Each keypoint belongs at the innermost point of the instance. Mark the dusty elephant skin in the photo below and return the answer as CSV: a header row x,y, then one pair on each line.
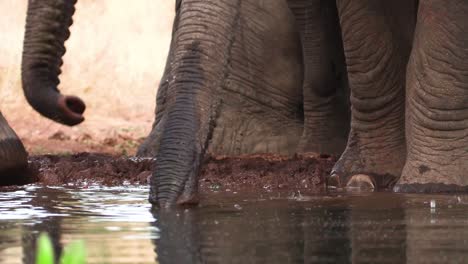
x,y
377,37
421,105
216,67
437,100
242,77
407,119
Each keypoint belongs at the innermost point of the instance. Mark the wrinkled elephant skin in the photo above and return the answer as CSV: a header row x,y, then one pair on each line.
x,y
245,77
409,90
381,83
47,24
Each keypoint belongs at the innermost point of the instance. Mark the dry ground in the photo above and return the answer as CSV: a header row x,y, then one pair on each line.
x,y
115,58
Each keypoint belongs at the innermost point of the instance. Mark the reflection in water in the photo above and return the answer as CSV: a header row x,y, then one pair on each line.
x,y
112,221
50,204
371,229
118,227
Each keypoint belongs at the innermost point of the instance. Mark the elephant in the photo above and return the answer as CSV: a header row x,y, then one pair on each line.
x,y
246,77
250,76
241,94
409,115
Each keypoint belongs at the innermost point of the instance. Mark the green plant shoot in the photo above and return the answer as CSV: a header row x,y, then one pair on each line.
x,y
74,253
45,251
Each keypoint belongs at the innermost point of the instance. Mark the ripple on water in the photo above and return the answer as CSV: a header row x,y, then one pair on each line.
x,y
117,226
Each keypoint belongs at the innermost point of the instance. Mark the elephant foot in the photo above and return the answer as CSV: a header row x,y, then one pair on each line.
x,y
361,182
13,156
356,183
427,177
362,168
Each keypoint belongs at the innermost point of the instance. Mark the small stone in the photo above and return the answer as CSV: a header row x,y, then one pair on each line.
x,y
84,137
109,142
60,135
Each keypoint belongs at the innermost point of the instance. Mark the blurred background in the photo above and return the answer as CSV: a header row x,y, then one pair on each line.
x,y
114,60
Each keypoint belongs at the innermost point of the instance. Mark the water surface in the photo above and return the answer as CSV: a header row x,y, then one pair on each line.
x,y
118,226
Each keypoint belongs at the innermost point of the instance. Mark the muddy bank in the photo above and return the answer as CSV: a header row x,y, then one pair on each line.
x,y
244,173
266,173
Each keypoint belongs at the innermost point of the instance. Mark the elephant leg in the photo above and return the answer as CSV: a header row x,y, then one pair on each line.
x,y
13,156
377,42
437,100
326,111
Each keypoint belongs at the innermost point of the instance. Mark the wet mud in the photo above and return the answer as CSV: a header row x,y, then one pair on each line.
x,y
244,173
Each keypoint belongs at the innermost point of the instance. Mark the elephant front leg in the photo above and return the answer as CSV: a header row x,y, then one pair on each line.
x,y
377,42
437,101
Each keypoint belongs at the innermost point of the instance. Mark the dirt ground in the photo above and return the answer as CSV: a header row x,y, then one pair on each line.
x,y
259,173
114,61
120,139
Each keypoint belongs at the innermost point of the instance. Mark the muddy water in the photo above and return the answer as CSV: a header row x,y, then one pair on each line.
x,y
118,226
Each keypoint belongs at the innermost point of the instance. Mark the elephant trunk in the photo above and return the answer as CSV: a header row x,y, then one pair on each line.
x,y
203,39
186,130
47,28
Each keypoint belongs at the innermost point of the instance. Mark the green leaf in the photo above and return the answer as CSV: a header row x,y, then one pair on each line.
x,y
45,251
74,253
